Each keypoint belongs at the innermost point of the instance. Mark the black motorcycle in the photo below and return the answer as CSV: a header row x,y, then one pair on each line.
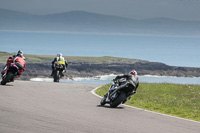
x,y
57,72
123,90
10,75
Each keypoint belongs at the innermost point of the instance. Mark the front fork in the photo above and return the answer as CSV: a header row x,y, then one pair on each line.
x,y
111,95
3,75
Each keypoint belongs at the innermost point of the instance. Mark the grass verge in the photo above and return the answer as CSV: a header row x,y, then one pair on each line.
x,y
48,58
172,99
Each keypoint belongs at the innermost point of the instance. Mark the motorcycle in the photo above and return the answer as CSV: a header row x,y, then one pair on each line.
x,y
57,72
122,92
10,75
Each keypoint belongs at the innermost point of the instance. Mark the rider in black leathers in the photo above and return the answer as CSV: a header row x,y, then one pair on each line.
x,y
119,81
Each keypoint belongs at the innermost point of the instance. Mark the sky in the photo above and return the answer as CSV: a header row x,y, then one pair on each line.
x,y
135,9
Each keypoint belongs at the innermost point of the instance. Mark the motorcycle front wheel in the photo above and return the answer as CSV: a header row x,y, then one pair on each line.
x,y
103,101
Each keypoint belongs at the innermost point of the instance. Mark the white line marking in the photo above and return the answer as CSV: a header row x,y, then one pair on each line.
x,y
93,92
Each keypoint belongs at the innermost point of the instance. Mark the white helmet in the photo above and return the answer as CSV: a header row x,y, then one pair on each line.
x,y
60,54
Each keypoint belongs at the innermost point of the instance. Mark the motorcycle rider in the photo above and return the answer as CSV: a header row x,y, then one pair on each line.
x,y
19,60
60,59
123,79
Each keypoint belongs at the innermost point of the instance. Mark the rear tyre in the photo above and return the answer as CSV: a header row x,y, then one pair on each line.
x,y
118,100
8,77
56,76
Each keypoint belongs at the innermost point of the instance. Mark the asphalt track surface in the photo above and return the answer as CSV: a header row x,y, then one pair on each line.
x,y
43,107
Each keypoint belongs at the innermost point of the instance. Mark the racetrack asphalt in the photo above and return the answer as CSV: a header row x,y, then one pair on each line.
x,y
46,107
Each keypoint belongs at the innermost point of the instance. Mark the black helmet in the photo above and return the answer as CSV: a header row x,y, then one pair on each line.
x,y
20,53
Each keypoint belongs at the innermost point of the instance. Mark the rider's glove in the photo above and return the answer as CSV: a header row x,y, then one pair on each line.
x,y
18,75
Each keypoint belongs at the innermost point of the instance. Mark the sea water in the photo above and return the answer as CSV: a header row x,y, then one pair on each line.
x,y
106,79
171,50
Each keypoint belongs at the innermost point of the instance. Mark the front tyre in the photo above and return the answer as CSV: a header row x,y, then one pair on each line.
x,y
103,101
8,77
118,100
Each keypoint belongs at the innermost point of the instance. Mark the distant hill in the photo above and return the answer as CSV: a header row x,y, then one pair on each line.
x,y
81,21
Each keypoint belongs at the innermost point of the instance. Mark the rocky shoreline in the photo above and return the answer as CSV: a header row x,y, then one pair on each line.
x,y
39,66
90,69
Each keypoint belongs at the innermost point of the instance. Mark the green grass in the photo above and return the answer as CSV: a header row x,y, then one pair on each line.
x,y
4,56
29,58
48,58
172,99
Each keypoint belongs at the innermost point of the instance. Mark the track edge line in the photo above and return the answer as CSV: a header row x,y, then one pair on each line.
x,y
93,92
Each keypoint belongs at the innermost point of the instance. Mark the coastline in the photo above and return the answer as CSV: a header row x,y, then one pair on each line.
x,y
39,66
80,69
97,33
106,79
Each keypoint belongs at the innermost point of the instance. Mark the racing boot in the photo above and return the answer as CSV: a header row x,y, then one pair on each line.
x,y
129,96
131,93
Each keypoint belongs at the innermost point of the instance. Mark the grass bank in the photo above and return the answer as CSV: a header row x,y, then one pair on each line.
x,y
48,58
172,99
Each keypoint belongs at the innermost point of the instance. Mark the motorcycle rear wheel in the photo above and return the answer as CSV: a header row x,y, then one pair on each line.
x,y
8,77
56,76
118,100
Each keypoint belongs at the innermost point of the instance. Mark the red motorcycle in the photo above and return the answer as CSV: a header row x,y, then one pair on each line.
x,y
10,75
14,68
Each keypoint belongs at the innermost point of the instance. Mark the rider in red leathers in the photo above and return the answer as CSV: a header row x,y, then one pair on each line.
x,y
19,61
